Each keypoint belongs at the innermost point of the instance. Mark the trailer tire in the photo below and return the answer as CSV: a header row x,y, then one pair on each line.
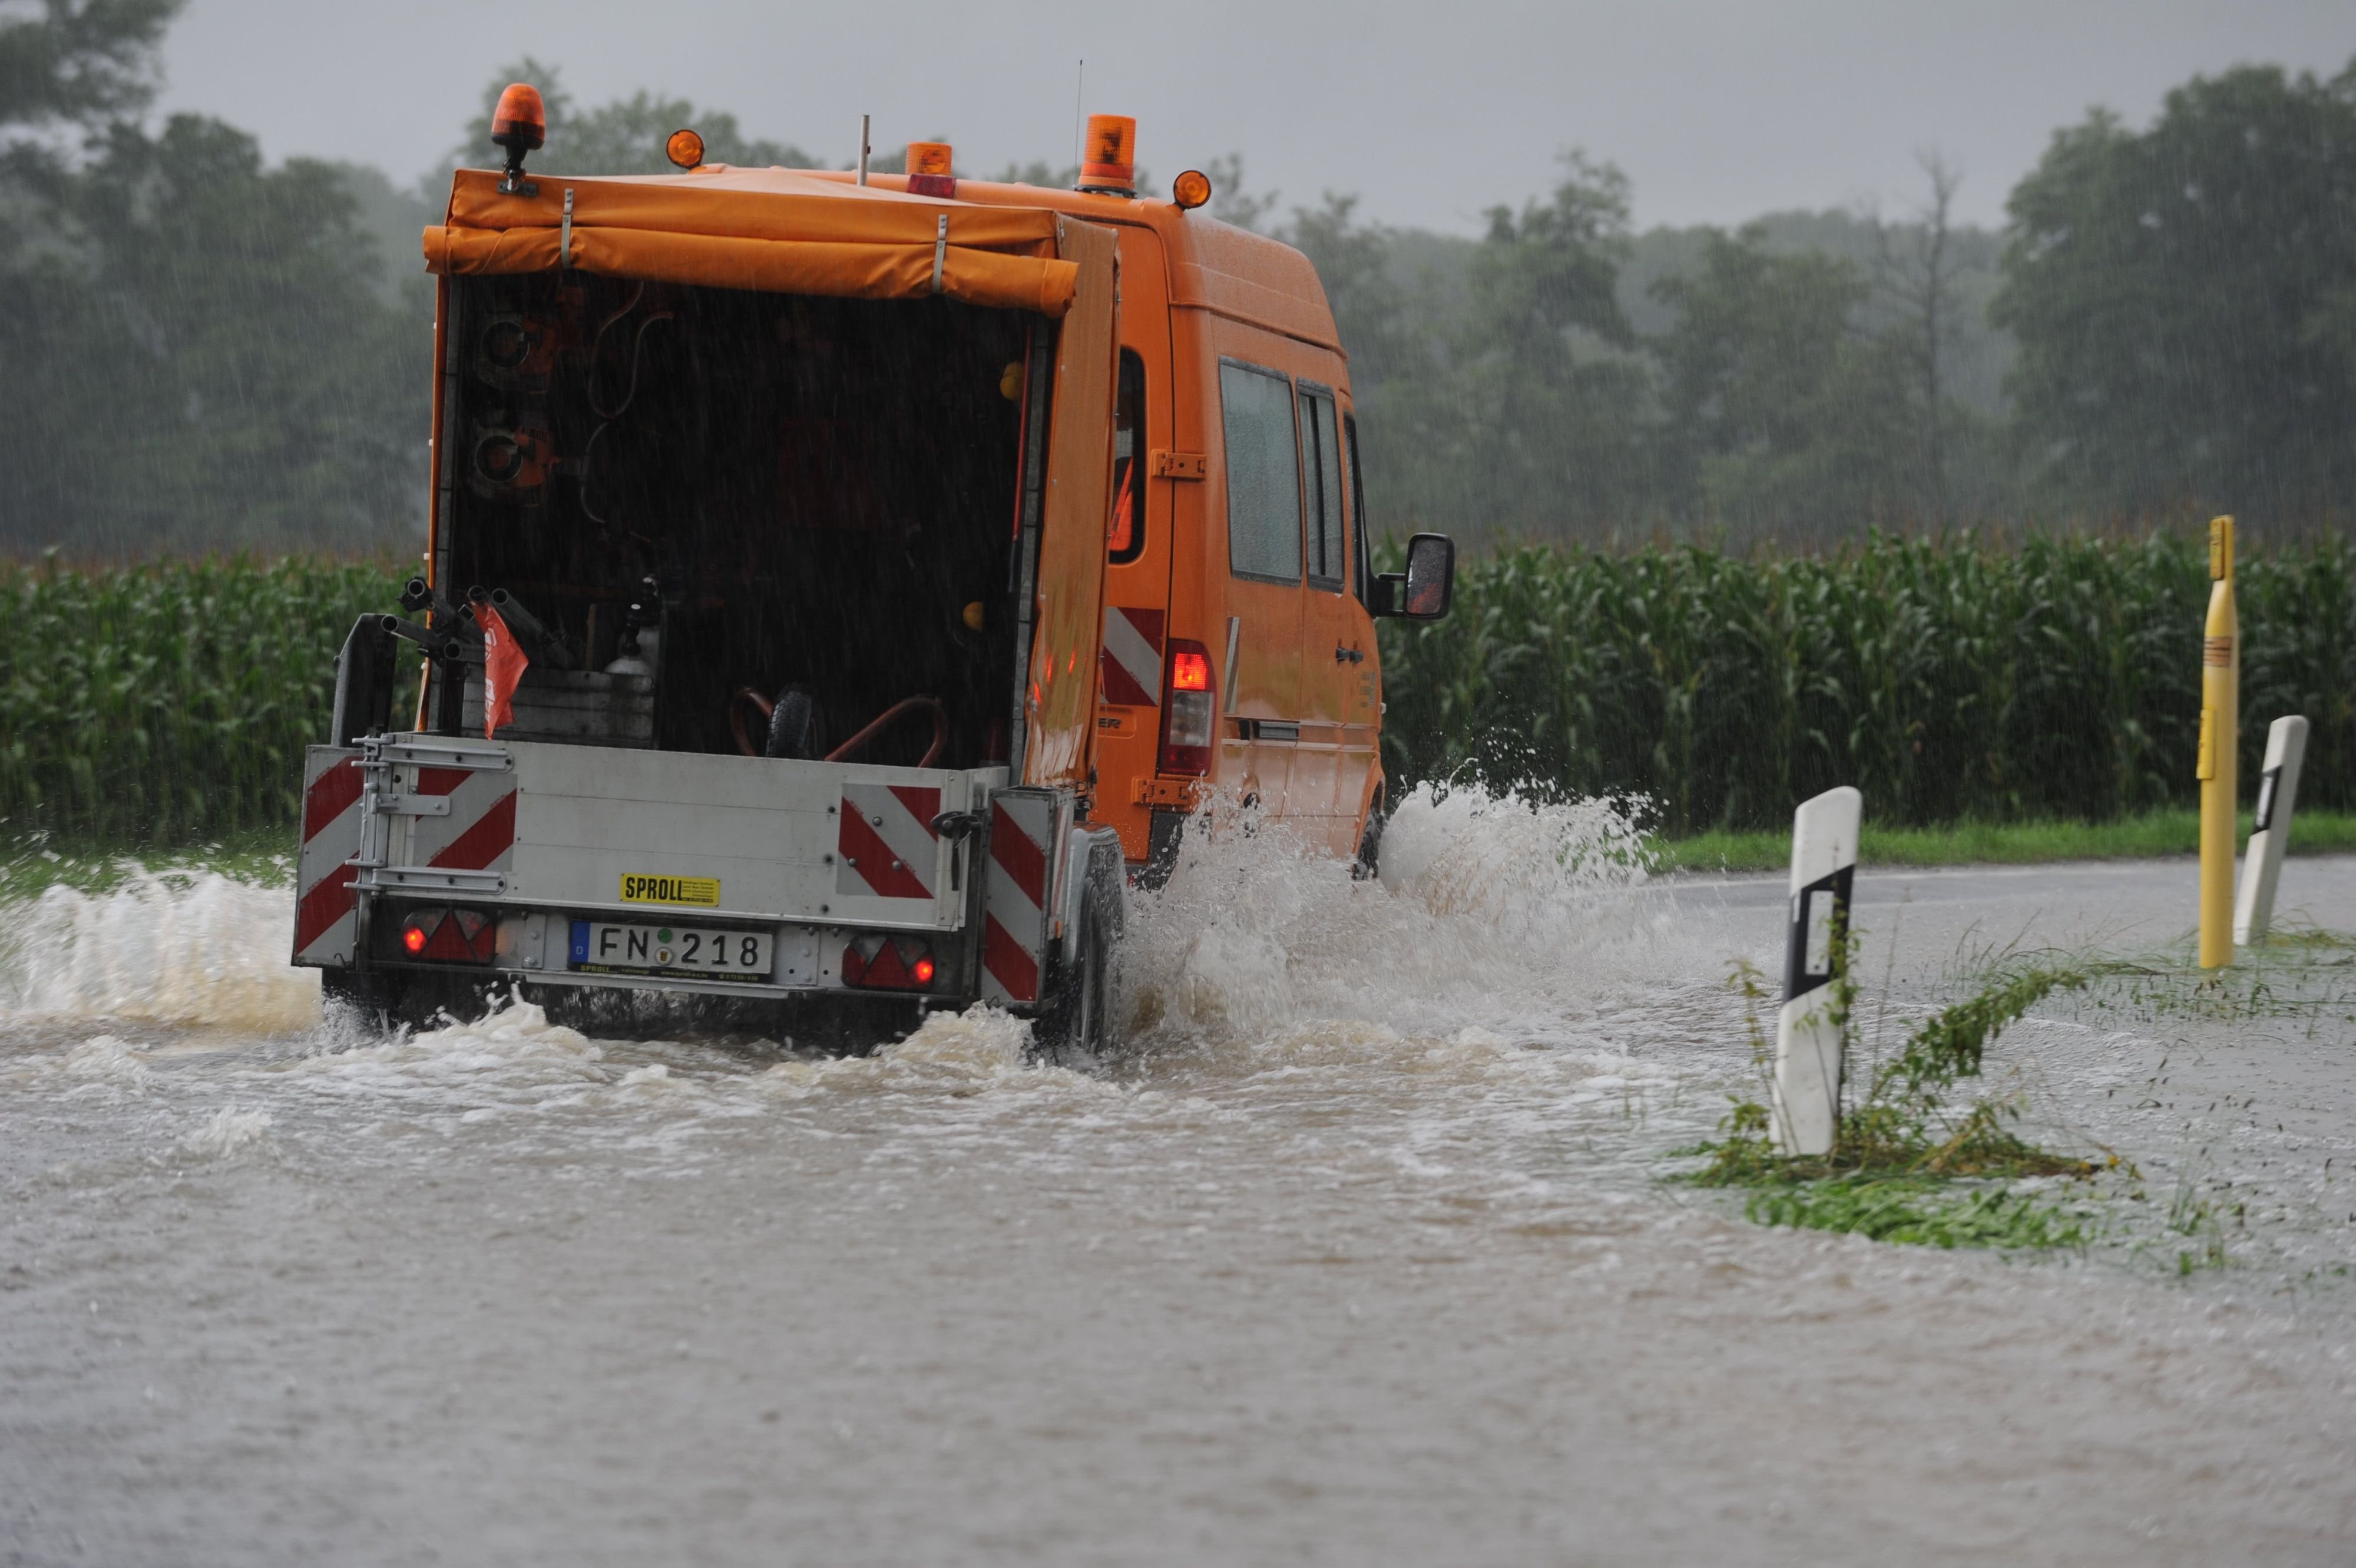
x,y
378,998
1077,1022
395,999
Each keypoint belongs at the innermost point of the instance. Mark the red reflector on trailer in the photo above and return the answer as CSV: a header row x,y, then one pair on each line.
x,y
459,935
888,964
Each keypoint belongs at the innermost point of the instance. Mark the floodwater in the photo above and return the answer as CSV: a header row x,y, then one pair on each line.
x,y
1359,1251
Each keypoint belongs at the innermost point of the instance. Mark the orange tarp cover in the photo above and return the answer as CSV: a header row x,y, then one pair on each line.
x,y
758,228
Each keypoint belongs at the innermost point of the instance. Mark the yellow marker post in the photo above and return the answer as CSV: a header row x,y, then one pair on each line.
x,y
2221,729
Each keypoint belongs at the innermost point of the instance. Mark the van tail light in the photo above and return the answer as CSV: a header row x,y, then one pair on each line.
x,y
888,964
1189,708
450,935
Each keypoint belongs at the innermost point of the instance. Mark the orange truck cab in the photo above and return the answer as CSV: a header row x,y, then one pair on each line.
x,y
839,587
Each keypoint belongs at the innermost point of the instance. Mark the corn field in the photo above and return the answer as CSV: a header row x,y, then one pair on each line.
x,y
170,702
1947,679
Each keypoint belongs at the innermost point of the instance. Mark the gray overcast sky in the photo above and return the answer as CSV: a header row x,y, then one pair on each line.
x,y
1718,109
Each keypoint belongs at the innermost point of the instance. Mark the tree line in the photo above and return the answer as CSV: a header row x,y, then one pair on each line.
x,y
207,350
2165,327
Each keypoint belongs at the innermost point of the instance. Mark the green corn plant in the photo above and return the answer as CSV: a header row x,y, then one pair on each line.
x,y
168,702
1950,678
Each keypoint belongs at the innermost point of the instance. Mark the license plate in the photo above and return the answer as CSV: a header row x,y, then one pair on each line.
x,y
600,945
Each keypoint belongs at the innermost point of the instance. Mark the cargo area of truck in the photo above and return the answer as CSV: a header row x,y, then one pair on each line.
x,y
784,492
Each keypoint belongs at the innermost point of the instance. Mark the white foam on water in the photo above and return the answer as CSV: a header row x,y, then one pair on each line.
x,y
185,948
228,1131
104,1058
514,1058
955,1055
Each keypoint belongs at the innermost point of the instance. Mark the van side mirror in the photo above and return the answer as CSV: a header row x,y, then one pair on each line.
x,y
1425,590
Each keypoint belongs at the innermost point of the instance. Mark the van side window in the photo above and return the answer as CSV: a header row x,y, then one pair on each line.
x,y
1321,473
1362,575
1263,473
1125,537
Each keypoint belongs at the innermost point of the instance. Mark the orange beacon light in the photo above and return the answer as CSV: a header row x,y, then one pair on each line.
x,y
1108,165
520,124
932,169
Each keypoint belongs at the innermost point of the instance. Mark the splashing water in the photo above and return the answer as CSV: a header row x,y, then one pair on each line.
x,y
1503,858
1488,902
185,948
1489,906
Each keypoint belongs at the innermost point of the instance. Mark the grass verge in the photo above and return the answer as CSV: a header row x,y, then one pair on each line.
x,y
1915,1211
1908,1165
2004,843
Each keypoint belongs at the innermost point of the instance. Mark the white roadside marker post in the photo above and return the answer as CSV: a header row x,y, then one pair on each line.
x,y
2253,911
1807,1035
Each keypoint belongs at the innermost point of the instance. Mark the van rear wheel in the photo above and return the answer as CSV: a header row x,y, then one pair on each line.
x,y
1367,864
1077,1022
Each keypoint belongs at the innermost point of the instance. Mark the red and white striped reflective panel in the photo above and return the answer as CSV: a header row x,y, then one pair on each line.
x,y
477,835
331,835
886,846
1015,897
479,832
1131,667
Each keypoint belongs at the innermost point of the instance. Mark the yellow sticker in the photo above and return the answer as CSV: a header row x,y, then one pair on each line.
x,y
703,892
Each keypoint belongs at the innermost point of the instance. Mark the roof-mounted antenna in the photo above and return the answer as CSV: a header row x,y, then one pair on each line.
x,y
863,149
1078,86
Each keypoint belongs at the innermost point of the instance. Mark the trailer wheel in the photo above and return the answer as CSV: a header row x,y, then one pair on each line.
x,y
379,998
1077,1022
389,1000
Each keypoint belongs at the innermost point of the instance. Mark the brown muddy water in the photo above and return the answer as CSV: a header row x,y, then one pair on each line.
x,y
1361,1250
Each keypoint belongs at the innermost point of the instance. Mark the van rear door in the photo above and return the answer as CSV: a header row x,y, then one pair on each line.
x,y
1338,716
1260,665
1059,679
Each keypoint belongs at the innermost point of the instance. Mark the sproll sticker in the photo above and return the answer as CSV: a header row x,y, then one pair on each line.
x,y
703,892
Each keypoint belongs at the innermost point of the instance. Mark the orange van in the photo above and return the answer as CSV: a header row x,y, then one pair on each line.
x,y
839,587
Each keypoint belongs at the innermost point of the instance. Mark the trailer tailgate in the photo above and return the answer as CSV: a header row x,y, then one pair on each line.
x,y
748,837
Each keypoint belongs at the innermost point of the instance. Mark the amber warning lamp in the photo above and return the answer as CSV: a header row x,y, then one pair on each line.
x,y
519,125
1191,190
685,148
1109,163
932,169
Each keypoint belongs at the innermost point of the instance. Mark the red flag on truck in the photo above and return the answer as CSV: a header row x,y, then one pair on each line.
x,y
504,662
